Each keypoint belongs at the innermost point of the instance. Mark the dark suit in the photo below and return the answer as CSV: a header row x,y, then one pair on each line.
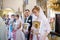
x,y
29,20
57,24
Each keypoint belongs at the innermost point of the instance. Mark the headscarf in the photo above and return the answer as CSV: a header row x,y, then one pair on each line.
x,y
45,20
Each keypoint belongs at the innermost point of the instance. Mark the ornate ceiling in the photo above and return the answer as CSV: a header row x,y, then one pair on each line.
x,y
54,4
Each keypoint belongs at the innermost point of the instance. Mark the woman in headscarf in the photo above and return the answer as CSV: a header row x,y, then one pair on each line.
x,y
18,34
44,29
3,30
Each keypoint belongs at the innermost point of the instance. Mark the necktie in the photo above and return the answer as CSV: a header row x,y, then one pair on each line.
x,y
25,20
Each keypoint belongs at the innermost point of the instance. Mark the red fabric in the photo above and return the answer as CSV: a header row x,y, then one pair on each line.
x,y
14,35
31,36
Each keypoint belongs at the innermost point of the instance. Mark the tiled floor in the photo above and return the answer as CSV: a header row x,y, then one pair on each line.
x,y
58,38
54,38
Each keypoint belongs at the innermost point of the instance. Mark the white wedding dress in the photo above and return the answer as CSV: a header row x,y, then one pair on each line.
x,y
19,33
44,26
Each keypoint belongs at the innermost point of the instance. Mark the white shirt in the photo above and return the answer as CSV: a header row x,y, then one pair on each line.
x,y
16,24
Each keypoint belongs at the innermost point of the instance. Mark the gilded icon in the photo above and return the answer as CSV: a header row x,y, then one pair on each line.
x,y
36,24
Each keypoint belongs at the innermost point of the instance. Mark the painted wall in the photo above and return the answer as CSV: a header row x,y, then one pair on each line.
x,y
0,4
15,4
31,4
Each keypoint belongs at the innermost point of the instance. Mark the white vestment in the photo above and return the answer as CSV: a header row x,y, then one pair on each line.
x,y
3,30
44,26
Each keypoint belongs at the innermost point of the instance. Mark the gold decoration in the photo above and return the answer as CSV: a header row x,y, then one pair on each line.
x,y
36,24
25,26
53,4
52,1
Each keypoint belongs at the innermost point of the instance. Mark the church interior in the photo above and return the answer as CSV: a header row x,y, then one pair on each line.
x,y
51,9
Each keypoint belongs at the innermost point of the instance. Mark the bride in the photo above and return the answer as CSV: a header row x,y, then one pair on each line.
x,y
18,34
44,29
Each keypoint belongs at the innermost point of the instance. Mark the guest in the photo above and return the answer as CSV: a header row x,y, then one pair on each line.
x,y
11,22
4,17
7,20
3,30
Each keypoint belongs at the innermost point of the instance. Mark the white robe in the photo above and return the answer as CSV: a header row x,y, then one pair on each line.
x,y
3,30
44,28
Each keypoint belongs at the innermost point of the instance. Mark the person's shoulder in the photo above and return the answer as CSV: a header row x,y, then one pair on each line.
x,y
30,16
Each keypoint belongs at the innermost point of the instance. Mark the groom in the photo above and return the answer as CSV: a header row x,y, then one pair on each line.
x,y
28,19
